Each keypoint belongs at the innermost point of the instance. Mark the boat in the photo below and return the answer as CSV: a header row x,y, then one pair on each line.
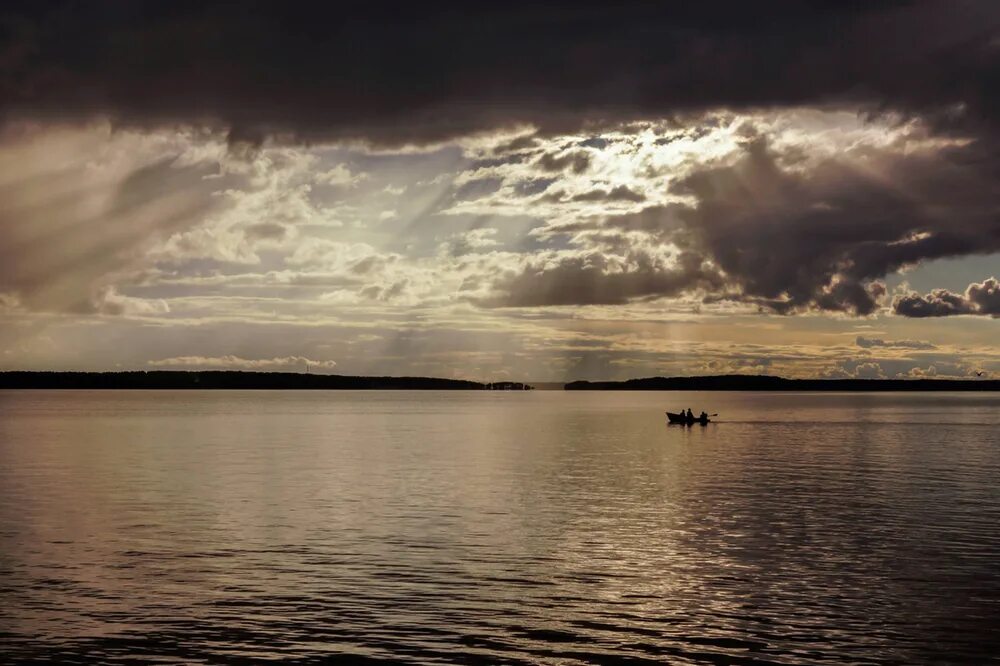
x,y
682,419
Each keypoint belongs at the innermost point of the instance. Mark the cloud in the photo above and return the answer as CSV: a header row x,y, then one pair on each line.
x,y
111,302
589,278
786,223
475,189
939,370
533,186
869,343
985,296
286,363
980,298
82,206
9,302
336,256
938,303
576,161
385,293
269,231
340,175
619,193
819,235
469,242
869,371
427,72
789,232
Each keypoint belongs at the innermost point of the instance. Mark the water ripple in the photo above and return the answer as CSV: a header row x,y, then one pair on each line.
x,y
363,528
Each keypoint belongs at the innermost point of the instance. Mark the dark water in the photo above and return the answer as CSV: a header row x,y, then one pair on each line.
x,y
537,527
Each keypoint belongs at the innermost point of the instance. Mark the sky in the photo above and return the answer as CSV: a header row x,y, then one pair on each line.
x,y
537,192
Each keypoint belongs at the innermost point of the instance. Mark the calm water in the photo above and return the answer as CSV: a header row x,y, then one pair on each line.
x,y
542,527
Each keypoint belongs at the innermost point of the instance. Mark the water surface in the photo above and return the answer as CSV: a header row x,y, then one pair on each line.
x,y
484,527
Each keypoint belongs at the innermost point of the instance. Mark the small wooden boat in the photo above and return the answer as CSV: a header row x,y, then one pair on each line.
x,y
682,419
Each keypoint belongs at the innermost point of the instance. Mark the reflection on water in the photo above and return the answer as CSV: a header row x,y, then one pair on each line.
x,y
499,527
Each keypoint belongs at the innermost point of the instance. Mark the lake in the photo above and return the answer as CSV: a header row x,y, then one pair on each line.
x,y
499,527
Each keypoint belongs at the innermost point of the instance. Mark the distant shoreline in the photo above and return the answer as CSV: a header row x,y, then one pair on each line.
x,y
232,379
240,380
767,383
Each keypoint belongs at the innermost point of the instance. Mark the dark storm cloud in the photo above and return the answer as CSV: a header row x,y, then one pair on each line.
x,y
980,298
576,161
596,279
754,231
516,144
792,239
426,71
820,238
938,303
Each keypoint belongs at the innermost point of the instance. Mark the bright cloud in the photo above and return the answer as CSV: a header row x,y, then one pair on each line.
x,y
287,363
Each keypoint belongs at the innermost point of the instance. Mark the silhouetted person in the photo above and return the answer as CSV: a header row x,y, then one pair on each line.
x,y
703,417
690,415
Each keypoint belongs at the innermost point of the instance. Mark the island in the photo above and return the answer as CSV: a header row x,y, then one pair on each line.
x,y
769,383
508,386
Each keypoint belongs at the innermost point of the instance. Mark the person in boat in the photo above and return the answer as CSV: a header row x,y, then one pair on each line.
x,y
703,417
689,415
